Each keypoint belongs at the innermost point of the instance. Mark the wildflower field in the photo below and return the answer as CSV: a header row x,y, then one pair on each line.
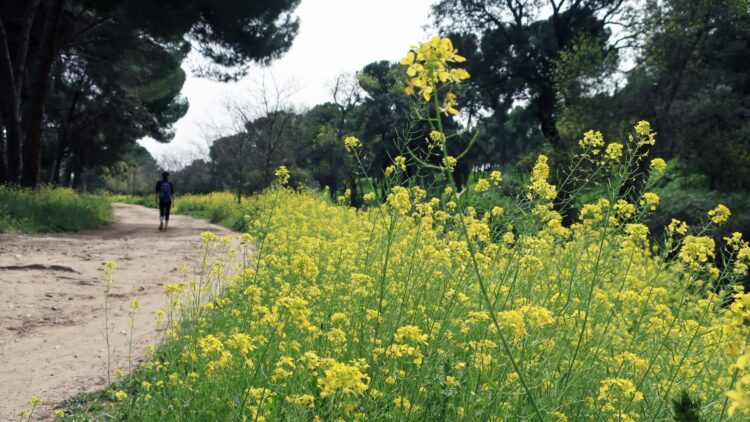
x,y
391,314
432,303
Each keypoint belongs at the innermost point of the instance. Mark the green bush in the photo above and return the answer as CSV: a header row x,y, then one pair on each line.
x,y
51,210
687,196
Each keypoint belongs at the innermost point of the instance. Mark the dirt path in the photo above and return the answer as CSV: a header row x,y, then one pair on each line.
x,y
52,302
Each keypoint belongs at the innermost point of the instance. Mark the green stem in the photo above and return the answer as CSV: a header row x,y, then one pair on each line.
x,y
480,280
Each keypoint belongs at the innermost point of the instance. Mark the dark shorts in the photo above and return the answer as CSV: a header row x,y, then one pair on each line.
x,y
164,209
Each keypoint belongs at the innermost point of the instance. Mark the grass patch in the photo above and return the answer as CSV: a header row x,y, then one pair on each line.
x,y
50,210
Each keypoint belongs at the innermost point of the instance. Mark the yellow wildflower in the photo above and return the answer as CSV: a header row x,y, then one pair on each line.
x,y
449,163
436,138
720,214
658,165
643,128
496,176
352,143
400,162
482,185
697,250
305,400
448,103
344,378
410,333
614,151
399,199
677,226
649,200
539,185
282,174
592,141
427,66
451,381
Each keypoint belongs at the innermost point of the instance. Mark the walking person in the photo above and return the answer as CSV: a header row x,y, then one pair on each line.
x,y
164,197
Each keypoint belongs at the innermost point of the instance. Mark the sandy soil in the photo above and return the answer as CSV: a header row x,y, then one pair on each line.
x,y
52,302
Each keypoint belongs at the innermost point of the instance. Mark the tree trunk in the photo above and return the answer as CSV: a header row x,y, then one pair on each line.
x,y
10,109
68,171
77,175
501,108
89,180
62,142
16,22
61,145
13,139
37,95
2,153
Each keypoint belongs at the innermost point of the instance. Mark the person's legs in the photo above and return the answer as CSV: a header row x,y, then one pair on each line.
x,y
167,206
162,211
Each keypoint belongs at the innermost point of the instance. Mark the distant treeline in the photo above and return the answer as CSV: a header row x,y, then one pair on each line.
x,y
541,75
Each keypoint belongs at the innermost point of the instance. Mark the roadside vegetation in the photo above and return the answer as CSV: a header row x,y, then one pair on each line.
x,y
421,309
49,209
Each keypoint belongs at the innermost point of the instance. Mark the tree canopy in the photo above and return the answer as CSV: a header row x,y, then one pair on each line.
x,y
42,41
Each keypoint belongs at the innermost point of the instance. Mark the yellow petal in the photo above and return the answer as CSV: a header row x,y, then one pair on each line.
x,y
409,59
446,44
459,74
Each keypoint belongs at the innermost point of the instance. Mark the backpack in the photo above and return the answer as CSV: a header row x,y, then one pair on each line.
x,y
165,192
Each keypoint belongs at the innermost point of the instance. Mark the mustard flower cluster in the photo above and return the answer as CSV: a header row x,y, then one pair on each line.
x,y
496,177
720,214
540,187
613,151
646,134
592,142
428,67
649,200
658,165
352,143
282,175
449,163
482,186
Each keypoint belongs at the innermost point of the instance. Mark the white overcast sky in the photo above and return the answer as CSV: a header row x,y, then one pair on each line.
x,y
334,36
